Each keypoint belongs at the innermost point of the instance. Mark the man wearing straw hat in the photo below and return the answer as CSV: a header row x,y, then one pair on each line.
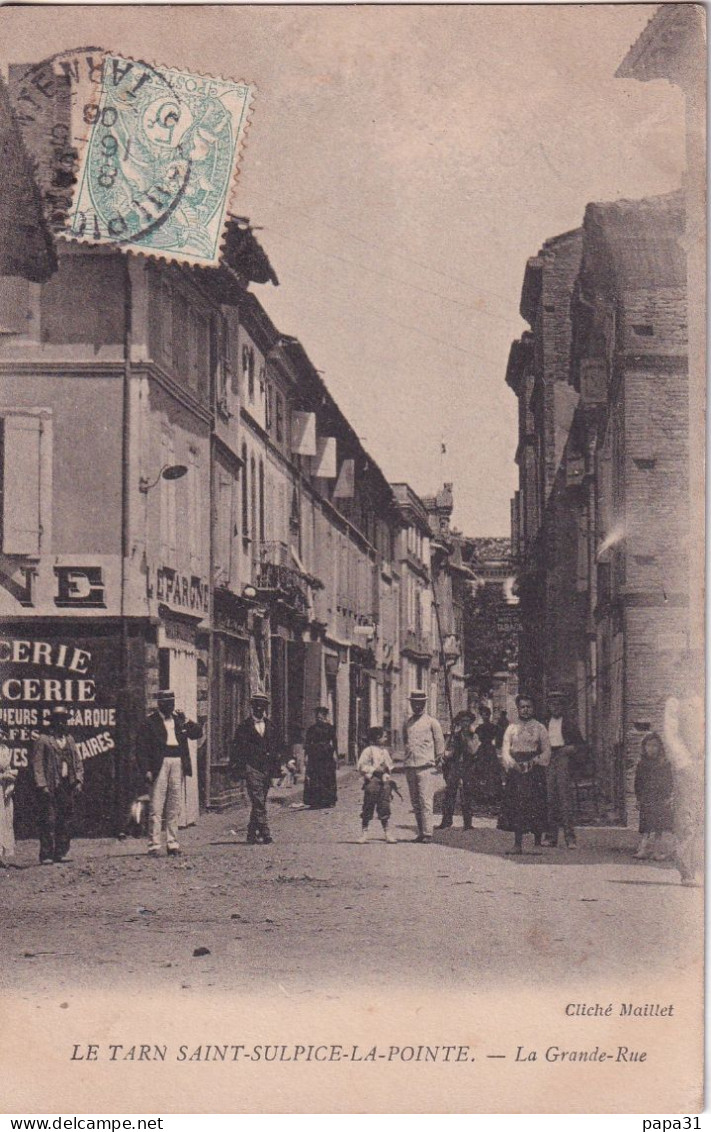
x,y
424,749
255,758
164,756
59,776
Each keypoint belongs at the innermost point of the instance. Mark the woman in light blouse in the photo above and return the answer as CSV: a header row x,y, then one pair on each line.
x,y
525,751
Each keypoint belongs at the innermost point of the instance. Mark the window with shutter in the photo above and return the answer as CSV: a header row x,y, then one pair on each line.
x,y
248,370
202,356
245,496
219,361
195,511
166,302
262,523
225,528
253,502
181,337
168,508
26,472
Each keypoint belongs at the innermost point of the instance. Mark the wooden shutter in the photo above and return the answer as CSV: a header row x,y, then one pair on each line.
x,y
195,511
21,529
168,510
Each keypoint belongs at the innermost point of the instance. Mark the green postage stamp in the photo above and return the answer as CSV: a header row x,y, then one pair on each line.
x,y
160,159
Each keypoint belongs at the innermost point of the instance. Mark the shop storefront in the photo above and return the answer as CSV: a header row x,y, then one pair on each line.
x,y
178,669
287,686
362,697
73,663
230,691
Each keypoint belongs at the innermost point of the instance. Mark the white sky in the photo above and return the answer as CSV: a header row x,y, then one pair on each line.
x,y
403,163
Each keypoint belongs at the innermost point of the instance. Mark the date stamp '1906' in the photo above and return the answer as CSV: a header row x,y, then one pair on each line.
x,y
158,166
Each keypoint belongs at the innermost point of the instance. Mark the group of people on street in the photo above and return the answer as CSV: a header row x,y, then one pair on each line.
x,y
471,764
526,768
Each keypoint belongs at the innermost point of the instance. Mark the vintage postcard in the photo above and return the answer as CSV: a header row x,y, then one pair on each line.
x,y
352,399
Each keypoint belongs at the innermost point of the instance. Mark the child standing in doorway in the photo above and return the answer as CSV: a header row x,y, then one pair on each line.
x,y
653,785
375,765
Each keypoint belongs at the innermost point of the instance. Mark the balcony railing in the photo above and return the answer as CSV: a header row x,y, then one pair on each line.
x,y
417,644
272,577
283,582
276,552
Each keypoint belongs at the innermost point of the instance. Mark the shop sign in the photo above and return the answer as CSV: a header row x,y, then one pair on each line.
x,y
80,586
38,673
75,586
228,616
188,593
179,631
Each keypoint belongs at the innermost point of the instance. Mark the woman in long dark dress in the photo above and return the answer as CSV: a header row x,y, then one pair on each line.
x,y
525,751
320,790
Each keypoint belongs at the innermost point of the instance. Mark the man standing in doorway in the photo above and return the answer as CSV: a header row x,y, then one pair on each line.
x,y
255,758
566,741
163,755
59,776
424,749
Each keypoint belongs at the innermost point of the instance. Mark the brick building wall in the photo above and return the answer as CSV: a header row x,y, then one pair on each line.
x,y
641,476
539,373
656,496
605,432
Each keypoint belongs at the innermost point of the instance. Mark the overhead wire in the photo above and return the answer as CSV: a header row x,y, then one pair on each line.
x,y
417,330
384,275
398,255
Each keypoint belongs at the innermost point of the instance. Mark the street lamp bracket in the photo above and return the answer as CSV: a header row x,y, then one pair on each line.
x,y
167,472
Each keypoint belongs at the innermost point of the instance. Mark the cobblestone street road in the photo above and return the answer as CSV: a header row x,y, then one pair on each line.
x,y
300,913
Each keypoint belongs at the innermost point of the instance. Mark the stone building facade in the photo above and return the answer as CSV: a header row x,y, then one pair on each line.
x,y
183,505
491,623
449,578
416,610
539,374
608,533
602,572
631,313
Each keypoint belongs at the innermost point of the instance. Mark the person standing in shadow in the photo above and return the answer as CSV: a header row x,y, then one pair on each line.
x,y
59,777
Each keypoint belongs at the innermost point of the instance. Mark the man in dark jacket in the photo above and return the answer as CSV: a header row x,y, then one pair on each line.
x,y
458,768
59,776
163,755
566,742
255,758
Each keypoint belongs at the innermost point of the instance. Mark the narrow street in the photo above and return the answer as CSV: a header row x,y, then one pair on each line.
x,y
297,914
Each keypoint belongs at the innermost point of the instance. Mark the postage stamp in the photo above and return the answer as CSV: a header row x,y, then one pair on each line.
x,y
158,167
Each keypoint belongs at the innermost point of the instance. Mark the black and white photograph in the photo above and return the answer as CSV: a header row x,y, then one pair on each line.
x,y
352,442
